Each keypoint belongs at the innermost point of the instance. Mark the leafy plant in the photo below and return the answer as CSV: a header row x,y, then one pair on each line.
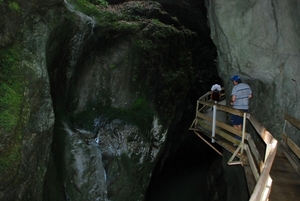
x,y
102,2
14,6
99,2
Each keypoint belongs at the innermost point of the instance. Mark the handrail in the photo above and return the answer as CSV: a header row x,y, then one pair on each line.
x,y
295,122
263,186
291,149
263,180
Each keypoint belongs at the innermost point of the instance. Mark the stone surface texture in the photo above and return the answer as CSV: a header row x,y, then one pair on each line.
x,y
105,93
259,40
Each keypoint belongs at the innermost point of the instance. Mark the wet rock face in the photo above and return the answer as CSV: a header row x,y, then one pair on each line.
x,y
130,64
85,177
14,13
113,85
259,41
191,14
28,130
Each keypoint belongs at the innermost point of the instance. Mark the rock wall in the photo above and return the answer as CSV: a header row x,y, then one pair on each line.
x,y
26,110
103,83
110,83
259,40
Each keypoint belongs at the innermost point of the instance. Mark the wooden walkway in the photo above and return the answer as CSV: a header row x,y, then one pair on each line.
x,y
285,179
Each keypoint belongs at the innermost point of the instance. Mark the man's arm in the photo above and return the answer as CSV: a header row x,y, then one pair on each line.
x,y
233,97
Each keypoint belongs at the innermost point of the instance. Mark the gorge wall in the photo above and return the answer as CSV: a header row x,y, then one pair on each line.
x,y
95,93
259,40
92,93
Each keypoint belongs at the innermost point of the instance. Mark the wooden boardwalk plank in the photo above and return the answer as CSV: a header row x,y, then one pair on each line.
x,y
286,181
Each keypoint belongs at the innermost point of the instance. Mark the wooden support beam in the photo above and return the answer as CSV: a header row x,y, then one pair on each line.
x,y
291,144
223,108
220,124
291,157
255,152
253,164
219,132
198,134
292,120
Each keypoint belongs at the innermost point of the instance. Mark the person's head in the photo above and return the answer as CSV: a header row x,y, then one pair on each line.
x,y
236,79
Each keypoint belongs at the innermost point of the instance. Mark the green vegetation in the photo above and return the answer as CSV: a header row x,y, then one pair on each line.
x,y
11,156
13,6
11,107
105,18
89,8
139,114
100,2
161,62
11,88
112,66
156,21
163,66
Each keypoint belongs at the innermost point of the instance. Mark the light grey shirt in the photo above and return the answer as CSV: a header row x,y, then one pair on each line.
x,y
241,92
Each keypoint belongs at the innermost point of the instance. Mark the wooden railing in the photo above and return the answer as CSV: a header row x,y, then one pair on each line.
x,y
291,149
260,167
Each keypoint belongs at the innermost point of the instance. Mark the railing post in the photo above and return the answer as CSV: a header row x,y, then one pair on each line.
x,y
243,132
197,108
263,180
284,126
213,130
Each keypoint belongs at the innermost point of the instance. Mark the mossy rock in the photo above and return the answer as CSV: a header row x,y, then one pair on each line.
x,y
13,112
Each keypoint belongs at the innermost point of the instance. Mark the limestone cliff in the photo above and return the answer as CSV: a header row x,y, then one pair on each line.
x,y
92,92
259,40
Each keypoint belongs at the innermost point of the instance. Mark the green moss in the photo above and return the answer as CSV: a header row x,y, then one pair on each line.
x,y
91,9
11,157
13,108
139,114
11,88
110,20
14,6
163,67
100,2
112,66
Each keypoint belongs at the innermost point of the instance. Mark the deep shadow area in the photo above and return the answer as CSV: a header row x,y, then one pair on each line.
x,y
184,176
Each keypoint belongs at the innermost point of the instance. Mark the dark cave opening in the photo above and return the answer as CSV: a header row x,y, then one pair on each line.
x,y
183,175
182,171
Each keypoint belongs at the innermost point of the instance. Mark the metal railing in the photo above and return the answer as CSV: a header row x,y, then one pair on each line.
x,y
220,130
